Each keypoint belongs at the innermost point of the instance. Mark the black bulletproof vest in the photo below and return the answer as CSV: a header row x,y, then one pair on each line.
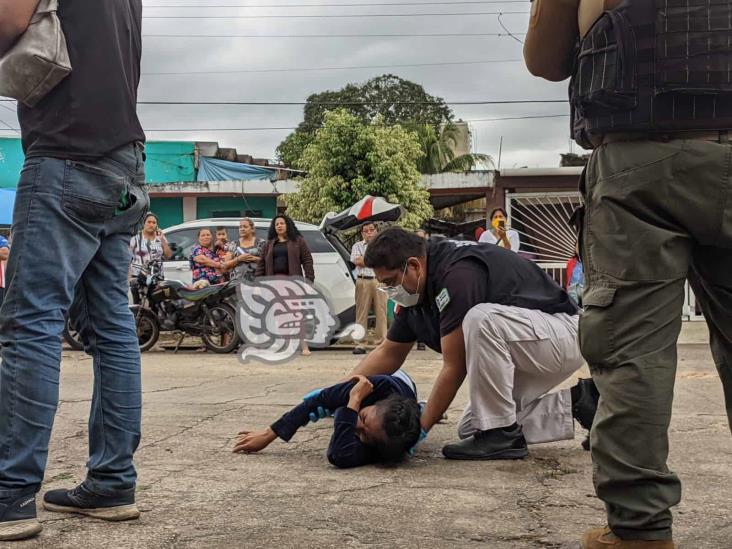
x,y
655,66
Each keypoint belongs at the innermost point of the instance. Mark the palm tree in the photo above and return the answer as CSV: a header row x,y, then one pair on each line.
x,y
439,150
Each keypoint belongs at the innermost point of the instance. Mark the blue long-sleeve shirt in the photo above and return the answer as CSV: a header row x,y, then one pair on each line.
x,y
345,449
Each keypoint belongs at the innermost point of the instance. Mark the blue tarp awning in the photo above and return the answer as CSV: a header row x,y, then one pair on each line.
x,y
214,169
7,201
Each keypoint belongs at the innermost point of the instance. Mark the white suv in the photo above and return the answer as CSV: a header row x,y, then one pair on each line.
x,y
332,274
333,269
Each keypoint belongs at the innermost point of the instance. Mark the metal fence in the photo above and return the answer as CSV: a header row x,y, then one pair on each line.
x,y
542,221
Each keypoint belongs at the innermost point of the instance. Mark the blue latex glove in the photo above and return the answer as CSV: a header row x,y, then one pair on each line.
x,y
422,436
313,393
320,412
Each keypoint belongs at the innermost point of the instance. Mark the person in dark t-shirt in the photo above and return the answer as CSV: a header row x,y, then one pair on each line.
x,y
376,420
83,184
498,320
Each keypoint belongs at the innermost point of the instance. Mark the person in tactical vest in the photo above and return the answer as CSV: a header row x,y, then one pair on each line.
x,y
651,94
498,320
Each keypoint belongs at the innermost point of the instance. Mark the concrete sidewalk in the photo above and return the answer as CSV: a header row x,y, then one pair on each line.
x,y
194,493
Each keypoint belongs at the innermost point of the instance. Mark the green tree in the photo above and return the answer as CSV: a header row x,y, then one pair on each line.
x,y
395,100
438,147
348,159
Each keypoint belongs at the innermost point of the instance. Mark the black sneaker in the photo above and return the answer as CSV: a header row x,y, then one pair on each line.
x,y
359,351
584,402
500,443
85,502
586,446
18,517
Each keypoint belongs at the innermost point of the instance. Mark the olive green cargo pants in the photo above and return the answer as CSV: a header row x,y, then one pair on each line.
x,y
656,213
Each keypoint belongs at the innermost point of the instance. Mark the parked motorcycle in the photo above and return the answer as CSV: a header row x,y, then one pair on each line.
x,y
171,306
147,332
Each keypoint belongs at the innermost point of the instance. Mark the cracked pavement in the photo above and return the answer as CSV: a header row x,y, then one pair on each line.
x,y
193,492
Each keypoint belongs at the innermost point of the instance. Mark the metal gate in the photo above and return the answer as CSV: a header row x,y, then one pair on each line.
x,y
542,221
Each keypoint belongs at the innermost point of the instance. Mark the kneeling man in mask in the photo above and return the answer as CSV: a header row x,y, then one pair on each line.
x,y
496,318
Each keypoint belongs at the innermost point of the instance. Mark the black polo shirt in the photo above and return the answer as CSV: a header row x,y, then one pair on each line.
x,y
93,111
461,275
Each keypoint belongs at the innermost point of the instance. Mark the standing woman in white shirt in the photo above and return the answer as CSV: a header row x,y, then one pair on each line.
x,y
499,234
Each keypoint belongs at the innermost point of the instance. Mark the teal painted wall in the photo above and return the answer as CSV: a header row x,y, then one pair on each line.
x,y
167,161
11,162
235,206
168,210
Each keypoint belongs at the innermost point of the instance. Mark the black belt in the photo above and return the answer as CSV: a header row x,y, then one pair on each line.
x,y
365,277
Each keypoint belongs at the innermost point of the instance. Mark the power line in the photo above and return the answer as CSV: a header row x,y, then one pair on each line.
x,y
532,117
333,16
500,22
341,103
340,5
432,35
282,128
306,69
350,103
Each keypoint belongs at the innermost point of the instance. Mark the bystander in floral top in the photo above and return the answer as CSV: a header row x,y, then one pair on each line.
x,y
200,272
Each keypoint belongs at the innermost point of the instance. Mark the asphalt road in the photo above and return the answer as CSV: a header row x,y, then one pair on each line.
x,y
195,493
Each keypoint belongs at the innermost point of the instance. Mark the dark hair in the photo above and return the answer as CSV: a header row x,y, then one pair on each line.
x,y
292,232
150,214
493,212
221,228
391,249
204,229
401,426
367,224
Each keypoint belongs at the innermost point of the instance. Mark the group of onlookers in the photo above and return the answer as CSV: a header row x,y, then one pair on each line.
x,y
284,253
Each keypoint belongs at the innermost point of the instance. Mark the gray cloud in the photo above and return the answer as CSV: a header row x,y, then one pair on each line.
x,y
525,142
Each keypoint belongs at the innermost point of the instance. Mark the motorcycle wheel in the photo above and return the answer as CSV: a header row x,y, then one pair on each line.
x,y
225,339
148,330
72,337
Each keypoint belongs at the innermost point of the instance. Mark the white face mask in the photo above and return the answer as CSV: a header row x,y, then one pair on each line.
x,y
399,295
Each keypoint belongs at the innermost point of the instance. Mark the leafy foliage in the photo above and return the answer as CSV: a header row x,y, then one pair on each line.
x,y
348,159
392,99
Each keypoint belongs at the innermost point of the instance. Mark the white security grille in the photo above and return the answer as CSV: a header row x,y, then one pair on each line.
x,y
542,221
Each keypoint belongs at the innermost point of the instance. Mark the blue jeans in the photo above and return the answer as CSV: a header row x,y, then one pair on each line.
x,y
71,247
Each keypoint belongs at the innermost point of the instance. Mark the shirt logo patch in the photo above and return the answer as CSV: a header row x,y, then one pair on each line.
x,y
442,299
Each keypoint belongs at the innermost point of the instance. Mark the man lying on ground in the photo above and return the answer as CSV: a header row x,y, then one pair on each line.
x,y
376,420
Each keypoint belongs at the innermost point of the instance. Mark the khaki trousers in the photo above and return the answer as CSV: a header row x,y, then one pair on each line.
x,y
514,357
367,297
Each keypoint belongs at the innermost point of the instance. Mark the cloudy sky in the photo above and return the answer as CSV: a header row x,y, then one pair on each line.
x,y
467,67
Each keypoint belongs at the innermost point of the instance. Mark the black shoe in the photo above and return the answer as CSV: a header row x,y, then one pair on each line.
x,y
420,346
500,443
584,402
359,351
81,500
586,444
18,517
